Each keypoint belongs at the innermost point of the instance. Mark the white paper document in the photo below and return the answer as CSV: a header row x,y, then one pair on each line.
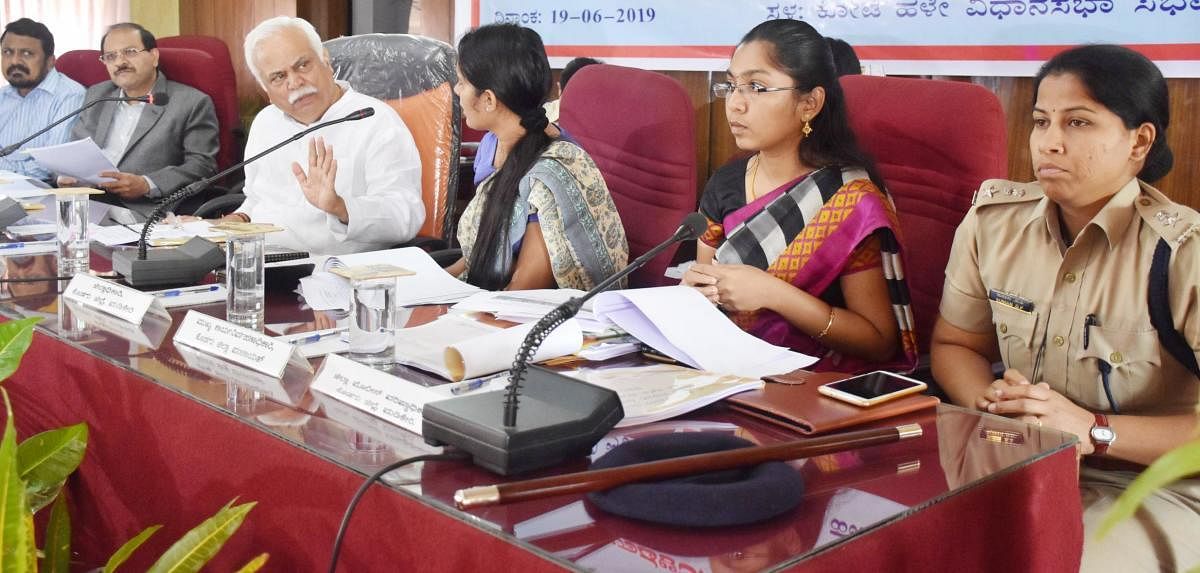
x,y
660,391
457,347
679,322
430,284
81,159
530,305
17,186
122,235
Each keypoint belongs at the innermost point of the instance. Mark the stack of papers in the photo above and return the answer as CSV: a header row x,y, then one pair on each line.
x,y
160,234
429,283
679,322
523,306
456,347
19,186
661,391
80,159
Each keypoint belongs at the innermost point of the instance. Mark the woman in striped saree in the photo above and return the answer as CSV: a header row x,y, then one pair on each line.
x,y
802,247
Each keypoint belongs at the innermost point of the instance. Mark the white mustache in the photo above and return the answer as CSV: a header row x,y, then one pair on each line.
x,y
297,94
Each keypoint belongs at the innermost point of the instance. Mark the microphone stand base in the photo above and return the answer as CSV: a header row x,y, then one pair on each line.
x,y
10,212
184,265
560,418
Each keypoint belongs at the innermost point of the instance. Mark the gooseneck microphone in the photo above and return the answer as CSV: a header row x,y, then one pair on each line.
x,y
568,416
195,258
152,99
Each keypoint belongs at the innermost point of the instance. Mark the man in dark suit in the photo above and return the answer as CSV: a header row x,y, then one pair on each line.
x,y
157,149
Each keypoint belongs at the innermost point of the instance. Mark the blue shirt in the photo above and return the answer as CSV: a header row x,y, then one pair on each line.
x,y
55,97
486,154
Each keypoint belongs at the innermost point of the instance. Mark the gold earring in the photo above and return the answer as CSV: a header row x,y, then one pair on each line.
x,y
807,129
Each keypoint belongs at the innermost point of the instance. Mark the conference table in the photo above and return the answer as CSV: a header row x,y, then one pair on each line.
x,y
174,436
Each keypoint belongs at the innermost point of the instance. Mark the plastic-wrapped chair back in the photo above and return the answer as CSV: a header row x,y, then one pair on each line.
x,y
638,126
415,75
935,142
187,66
226,100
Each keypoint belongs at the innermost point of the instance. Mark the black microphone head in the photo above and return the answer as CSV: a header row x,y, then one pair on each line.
x,y
360,114
695,225
158,98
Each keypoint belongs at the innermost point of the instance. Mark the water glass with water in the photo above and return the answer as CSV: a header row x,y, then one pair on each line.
x,y
73,239
373,322
244,275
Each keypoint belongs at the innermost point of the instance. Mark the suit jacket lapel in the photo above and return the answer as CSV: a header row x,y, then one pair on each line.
x,y
150,115
108,110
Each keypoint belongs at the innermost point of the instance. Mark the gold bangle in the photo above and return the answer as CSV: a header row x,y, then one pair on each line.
x,y
829,324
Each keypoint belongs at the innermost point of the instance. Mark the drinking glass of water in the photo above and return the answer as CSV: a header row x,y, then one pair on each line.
x,y
244,276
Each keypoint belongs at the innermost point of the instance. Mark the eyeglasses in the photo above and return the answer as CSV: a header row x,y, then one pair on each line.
x,y
127,53
723,90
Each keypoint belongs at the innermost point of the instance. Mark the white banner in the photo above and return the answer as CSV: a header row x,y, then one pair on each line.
x,y
953,37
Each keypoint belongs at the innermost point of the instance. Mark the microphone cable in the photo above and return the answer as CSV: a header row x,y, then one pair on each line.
x,y
341,533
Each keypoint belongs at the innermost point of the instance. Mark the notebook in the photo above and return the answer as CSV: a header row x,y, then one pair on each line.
x,y
792,401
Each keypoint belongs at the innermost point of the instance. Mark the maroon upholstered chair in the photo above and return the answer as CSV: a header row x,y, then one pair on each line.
x,y
191,67
225,100
638,127
935,142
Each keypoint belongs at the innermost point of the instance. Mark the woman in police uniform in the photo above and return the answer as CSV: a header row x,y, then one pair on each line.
x,y
1051,277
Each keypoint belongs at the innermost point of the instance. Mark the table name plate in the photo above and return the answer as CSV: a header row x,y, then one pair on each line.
x,y
229,372
375,392
123,302
238,344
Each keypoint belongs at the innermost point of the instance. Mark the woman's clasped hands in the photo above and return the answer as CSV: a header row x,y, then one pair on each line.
x,y
1014,396
740,288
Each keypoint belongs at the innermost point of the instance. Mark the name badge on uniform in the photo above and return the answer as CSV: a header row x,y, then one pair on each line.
x,y
1011,300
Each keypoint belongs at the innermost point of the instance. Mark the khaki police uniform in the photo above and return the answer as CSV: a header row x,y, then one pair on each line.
x,y
1011,273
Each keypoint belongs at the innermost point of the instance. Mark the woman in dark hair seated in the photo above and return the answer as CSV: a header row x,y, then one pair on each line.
x,y
801,248
545,217
1054,278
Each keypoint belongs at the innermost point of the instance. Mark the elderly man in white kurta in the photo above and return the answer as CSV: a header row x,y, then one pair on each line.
x,y
350,187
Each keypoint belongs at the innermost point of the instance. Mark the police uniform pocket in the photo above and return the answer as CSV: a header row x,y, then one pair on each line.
x,y
1131,357
1014,332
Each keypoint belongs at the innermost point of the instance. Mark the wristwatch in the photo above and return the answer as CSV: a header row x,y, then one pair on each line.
x,y
1102,435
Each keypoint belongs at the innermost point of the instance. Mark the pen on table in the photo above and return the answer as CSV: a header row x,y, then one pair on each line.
x,y
26,244
595,480
183,291
472,385
316,336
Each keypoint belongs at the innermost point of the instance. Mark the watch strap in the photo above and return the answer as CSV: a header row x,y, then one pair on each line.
x,y
1101,448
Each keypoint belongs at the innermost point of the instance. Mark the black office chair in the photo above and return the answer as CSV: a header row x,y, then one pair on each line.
x,y
219,206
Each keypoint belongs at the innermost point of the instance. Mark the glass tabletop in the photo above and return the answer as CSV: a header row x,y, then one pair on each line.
x,y
846,494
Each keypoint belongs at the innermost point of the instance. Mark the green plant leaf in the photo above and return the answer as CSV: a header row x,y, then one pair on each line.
x,y
255,564
199,545
130,546
16,521
1170,467
15,336
47,459
58,539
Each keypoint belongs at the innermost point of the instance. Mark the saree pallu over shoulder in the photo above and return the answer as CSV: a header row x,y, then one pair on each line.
x,y
578,219
807,236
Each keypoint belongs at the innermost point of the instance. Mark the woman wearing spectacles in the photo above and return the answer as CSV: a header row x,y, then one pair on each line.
x,y
544,218
801,247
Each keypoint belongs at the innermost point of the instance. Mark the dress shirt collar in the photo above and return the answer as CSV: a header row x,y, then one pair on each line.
x,y
49,84
1112,220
